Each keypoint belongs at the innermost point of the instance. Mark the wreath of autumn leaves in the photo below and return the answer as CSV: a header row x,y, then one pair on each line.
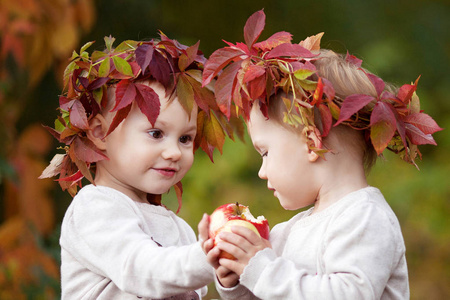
x,y
87,77
255,71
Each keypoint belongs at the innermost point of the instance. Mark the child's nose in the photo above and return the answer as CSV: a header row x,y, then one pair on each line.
x,y
262,172
172,151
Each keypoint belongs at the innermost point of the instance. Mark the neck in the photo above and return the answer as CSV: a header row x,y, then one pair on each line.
x,y
345,177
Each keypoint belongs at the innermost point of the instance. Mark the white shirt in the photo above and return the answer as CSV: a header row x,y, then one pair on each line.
x,y
109,249
353,249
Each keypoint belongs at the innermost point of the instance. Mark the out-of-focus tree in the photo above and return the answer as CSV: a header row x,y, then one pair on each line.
x,y
35,36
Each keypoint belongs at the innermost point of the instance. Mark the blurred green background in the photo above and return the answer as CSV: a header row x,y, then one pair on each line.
x,y
397,39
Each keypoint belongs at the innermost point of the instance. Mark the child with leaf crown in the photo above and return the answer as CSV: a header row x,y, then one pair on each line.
x,y
318,120
134,115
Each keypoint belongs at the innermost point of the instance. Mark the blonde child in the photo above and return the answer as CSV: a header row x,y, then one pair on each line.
x,y
318,120
131,112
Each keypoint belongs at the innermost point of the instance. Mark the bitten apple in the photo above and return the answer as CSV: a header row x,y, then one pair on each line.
x,y
235,214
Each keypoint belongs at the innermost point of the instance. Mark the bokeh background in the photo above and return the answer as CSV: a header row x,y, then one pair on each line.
x,y
397,39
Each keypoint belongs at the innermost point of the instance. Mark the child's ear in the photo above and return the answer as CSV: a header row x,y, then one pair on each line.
x,y
98,127
317,142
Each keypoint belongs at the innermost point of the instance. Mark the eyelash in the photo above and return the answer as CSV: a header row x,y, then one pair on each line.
x,y
264,154
185,139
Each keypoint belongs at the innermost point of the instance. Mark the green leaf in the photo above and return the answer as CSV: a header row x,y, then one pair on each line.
x,y
122,66
105,67
109,41
98,55
85,46
125,46
302,74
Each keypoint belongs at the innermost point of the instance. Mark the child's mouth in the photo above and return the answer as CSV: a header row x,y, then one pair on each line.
x,y
169,172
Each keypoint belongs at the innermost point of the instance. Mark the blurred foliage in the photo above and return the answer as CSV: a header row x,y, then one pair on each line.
x,y
398,40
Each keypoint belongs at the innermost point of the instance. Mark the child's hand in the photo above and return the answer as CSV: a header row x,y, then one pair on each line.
x,y
243,244
226,277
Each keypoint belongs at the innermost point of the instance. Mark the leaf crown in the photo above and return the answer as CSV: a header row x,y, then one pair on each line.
x,y
87,78
252,71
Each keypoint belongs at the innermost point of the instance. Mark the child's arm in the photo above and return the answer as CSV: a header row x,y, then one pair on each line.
x,y
360,253
106,237
225,277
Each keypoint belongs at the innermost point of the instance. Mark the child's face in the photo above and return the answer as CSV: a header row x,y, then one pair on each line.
x,y
145,159
285,165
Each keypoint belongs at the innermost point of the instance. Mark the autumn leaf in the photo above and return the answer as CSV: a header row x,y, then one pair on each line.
x,y
417,137
383,125
125,94
406,91
351,105
54,167
160,69
178,187
377,82
185,94
148,101
287,49
187,58
423,122
121,114
105,67
78,115
224,87
218,60
253,27
253,71
273,41
353,60
122,66
85,150
257,86
144,55
312,43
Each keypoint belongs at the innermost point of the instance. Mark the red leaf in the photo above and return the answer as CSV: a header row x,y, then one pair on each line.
x,y
217,61
178,187
99,82
160,68
86,151
144,55
353,104
377,82
224,87
78,116
187,58
125,94
327,119
257,87
383,112
253,27
118,118
74,177
148,101
423,122
381,133
353,60
288,49
318,93
406,91
383,125
275,40
417,137
204,98
252,72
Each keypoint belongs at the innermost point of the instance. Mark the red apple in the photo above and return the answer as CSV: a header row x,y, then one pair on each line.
x,y
235,214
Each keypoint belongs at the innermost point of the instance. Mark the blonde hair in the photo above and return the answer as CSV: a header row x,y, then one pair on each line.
x,y
347,79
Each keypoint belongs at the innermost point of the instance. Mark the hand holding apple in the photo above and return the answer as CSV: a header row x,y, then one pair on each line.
x,y
235,214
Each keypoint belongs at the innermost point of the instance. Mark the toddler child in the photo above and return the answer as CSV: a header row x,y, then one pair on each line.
x,y
131,115
318,120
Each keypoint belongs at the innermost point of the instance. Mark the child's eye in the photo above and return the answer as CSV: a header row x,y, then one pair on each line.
x,y
156,134
185,139
264,154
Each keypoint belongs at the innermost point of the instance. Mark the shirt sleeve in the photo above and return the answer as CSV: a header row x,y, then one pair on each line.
x,y
106,236
360,250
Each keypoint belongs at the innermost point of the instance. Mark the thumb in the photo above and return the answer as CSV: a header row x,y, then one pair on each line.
x,y
203,228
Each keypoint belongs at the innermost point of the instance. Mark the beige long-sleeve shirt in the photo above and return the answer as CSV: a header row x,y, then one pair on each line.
x,y
115,248
353,249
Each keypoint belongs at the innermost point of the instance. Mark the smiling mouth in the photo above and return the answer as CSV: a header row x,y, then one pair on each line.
x,y
166,172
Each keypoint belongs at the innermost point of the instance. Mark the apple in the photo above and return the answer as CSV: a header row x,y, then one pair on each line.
x,y
235,214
